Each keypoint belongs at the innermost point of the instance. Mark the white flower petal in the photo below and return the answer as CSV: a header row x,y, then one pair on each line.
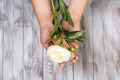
x,y
58,54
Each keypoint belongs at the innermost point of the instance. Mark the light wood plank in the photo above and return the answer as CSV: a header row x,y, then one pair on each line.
x,y
103,26
1,52
1,39
83,69
108,39
58,73
48,68
32,47
22,57
100,72
8,39
37,53
78,66
18,40
28,35
116,36
87,62
67,73
28,40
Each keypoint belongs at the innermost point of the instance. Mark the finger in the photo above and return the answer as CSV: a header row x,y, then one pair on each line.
x,y
76,26
43,41
46,45
73,61
65,43
45,35
75,58
75,44
56,42
61,64
65,25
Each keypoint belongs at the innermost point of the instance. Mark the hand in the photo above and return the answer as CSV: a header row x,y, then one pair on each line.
x,y
44,15
76,27
76,9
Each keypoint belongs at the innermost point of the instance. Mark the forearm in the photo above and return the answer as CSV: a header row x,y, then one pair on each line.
x,y
42,9
77,7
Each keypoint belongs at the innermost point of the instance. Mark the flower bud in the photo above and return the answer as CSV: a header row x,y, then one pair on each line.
x,y
72,49
62,45
55,36
58,54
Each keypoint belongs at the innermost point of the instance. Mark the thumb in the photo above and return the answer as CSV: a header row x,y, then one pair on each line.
x,y
45,34
67,26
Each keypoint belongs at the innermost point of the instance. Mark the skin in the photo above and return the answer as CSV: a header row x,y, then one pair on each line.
x,y
43,12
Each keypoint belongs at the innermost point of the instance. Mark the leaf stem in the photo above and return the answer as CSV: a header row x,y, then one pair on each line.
x,y
53,8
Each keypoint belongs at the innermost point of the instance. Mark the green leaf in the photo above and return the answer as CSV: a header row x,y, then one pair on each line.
x,y
59,9
70,33
81,39
59,12
58,24
74,35
63,8
68,18
77,34
55,30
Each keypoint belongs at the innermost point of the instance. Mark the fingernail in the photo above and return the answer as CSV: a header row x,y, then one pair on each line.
x,y
77,58
73,61
77,46
62,65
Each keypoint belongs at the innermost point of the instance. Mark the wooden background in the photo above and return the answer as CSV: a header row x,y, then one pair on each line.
x,y
22,57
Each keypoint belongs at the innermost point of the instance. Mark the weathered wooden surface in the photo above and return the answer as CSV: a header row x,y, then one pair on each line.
x,y
22,57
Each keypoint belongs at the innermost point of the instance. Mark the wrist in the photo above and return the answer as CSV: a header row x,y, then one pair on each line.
x,y
46,25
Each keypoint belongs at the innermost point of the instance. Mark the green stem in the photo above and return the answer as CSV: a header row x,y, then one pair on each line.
x,y
69,43
53,7
61,39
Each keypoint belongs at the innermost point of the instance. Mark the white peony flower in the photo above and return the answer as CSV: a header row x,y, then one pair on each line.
x,y
58,54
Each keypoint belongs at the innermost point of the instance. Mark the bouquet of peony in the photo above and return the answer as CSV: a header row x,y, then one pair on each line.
x,y
60,53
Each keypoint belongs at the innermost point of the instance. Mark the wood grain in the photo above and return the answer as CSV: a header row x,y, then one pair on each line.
x,y
99,55
22,57
37,59
28,39
8,39
83,70
1,39
18,40
116,32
